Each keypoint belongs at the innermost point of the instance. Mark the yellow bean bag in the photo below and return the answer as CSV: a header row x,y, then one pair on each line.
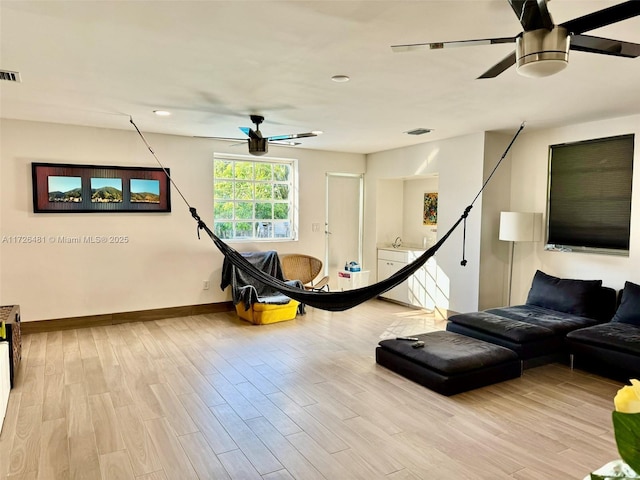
x,y
265,313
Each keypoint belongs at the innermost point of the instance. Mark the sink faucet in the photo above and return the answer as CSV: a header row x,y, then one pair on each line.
x,y
397,243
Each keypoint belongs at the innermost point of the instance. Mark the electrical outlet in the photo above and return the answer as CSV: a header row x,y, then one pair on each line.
x,y
205,284
315,227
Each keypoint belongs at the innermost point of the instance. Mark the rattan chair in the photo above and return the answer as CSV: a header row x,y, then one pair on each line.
x,y
297,266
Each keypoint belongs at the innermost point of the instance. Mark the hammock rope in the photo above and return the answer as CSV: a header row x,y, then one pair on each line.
x,y
330,301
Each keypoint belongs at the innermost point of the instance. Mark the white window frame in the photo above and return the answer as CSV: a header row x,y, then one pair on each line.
x,y
293,197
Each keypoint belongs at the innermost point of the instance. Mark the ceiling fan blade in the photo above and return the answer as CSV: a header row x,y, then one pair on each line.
x,y
227,139
460,43
284,143
603,17
605,46
292,136
532,14
500,67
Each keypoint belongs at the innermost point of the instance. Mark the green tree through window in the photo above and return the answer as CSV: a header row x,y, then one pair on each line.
x,y
254,199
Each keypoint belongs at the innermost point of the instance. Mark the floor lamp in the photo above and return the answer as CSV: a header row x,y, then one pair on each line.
x,y
519,227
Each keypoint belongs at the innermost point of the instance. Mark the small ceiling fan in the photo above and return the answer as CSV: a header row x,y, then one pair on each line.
x,y
542,49
259,145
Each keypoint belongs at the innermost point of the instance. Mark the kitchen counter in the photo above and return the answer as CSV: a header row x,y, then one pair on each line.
x,y
403,248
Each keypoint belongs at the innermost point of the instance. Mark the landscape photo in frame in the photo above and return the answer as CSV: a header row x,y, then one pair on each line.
x,y
64,189
146,191
71,188
106,190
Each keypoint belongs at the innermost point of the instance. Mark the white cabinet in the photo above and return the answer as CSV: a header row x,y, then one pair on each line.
x,y
389,262
5,384
420,289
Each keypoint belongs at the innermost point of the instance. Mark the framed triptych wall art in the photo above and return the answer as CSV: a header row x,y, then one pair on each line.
x,y
68,188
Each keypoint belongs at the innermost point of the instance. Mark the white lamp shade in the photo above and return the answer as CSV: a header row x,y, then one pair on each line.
x,y
520,226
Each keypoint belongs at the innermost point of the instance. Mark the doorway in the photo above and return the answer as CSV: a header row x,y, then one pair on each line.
x,y
343,222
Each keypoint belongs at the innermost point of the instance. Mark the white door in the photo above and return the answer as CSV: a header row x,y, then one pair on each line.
x,y
343,223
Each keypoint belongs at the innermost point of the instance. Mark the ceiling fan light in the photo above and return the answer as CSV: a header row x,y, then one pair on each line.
x,y
258,146
541,68
541,53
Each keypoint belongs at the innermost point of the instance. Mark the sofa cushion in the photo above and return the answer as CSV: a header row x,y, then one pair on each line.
x,y
514,330
578,297
558,322
613,335
607,304
629,309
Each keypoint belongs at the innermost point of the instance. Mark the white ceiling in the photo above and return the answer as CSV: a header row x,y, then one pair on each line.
x,y
212,63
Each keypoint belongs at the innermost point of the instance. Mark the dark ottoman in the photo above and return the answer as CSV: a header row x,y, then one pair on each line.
x,y
449,363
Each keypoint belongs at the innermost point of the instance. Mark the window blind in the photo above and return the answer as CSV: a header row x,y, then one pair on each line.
x,y
590,193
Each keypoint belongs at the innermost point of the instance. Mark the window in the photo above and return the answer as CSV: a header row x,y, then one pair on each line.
x,y
590,195
254,199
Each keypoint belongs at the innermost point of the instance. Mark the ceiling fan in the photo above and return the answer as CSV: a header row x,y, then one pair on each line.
x,y
259,145
542,49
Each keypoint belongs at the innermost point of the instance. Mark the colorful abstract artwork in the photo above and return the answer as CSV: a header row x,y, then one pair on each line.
x,y
430,215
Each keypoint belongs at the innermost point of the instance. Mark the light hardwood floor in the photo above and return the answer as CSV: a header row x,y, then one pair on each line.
x,y
212,397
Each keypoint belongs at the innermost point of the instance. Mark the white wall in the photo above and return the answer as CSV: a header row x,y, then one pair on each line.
x,y
494,253
529,192
163,264
459,164
387,205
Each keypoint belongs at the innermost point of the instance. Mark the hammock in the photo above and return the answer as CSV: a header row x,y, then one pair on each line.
x,y
331,301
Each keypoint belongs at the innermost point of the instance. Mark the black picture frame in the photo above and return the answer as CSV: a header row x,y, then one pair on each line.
x,y
72,188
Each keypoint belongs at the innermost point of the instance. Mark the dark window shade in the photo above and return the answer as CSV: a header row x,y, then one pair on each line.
x,y
590,193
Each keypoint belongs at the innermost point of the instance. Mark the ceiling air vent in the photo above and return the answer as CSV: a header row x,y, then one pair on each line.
x,y
10,76
418,131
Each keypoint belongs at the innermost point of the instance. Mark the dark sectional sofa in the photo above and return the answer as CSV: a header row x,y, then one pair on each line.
x,y
574,321
613,348
562,319
536,331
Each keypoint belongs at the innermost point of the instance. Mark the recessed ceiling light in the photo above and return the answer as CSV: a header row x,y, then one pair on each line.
x,y
340,78
162,113
418,131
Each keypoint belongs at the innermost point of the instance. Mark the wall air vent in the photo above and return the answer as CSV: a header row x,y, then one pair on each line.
x,y
10,76
418,131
